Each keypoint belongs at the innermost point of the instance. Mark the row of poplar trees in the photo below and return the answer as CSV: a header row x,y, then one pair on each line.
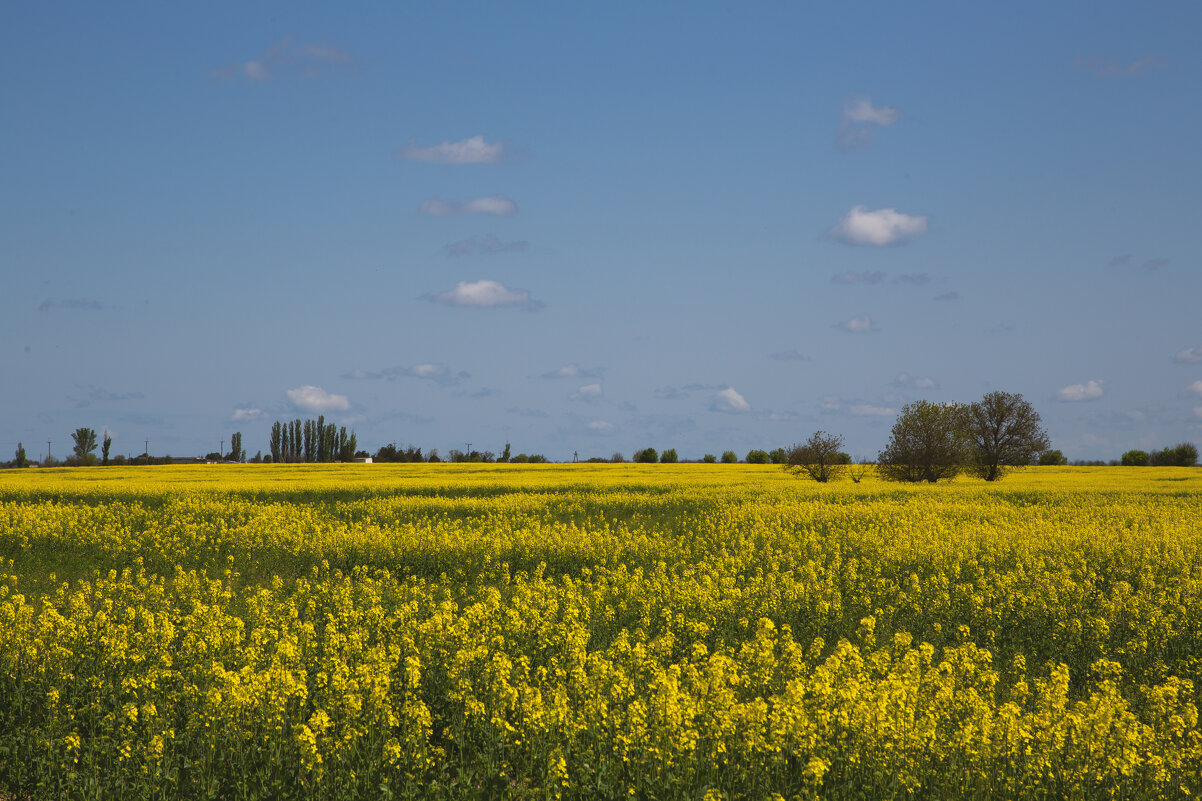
x,y
311,441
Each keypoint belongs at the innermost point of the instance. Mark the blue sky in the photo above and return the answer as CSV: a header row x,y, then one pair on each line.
x,y
597,227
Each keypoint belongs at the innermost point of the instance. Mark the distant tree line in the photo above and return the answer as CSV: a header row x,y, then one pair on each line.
x,y
311,441
1183,454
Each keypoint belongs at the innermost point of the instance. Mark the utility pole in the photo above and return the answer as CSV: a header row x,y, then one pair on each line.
x,y
146,452
221,448
47,450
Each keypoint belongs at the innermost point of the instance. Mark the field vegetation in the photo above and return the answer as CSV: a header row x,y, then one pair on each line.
x,y
692,631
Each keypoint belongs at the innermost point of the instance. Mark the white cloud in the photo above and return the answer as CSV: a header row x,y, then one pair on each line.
x,y
316,399
878,228
246,414
1081,392
1189,356
567,371
859,117
1196,388
470,151
599,425
485,294
494,205
729,400
868,410
856,325
307,60
917,382
588,392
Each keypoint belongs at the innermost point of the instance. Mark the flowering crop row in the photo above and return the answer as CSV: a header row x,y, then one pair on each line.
x,y
458,631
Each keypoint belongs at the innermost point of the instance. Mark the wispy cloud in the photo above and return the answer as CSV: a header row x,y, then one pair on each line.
x,y
1196,388
429,371
315,399
730,401
484,246
868,410
791,355
1091,390
485,294
1121,260
90,393
246,413
492,205
913,279
589,393
1110,68
859,120
1152,265
599,425
908,381
74,304
473,150
306,60
879,228
858,278
1189,356
537,414
573,371
857,325
948,296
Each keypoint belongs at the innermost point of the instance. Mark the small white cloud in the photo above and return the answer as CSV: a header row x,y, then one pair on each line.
x,y
859,117
729,400
494,205
1081,392
856,325
868,410
246,414
306,60
485,294
588,392
316,399
427,370
1189,356
916,382
878,228
1196,388
469,151
599,425
860,109
567,371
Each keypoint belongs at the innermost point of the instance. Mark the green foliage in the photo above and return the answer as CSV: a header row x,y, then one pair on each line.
x,y
669,456
646,456
709,458
1051,458
1183,454
755,456
819,457
1134,458
85,442
927,443
20,459
730,457
778,456
1002,431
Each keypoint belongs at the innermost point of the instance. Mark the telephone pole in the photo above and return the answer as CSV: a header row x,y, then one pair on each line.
x,y
47,450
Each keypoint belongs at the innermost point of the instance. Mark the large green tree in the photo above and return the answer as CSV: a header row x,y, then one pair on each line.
x,y
85,442
1002,431
818,457
927,443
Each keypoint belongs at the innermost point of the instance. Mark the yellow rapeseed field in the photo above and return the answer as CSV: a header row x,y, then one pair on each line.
x,y
597,631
